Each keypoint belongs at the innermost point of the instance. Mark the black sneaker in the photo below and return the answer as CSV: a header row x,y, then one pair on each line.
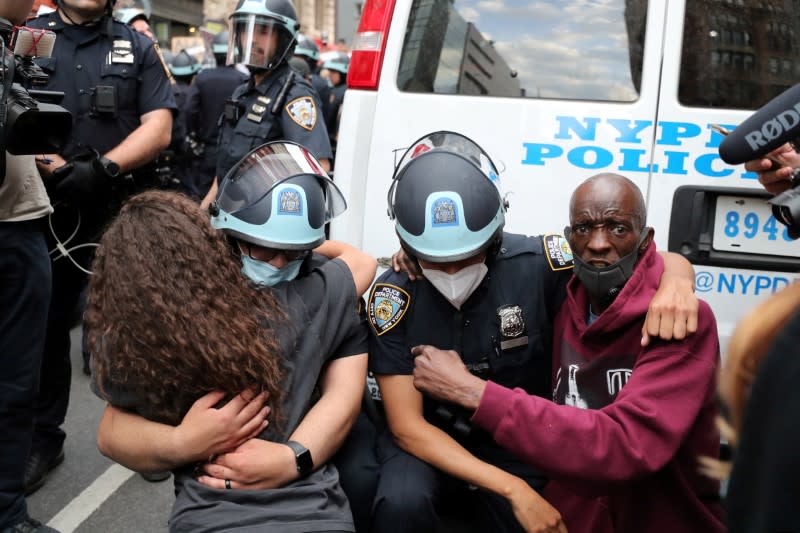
x,y
29,525
37,468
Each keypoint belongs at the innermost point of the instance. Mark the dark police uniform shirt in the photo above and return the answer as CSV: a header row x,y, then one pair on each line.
x,y
503,332
205,104
322,323
206,101
103,55
298,119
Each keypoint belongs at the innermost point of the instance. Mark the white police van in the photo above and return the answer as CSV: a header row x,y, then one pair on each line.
x,y
558,90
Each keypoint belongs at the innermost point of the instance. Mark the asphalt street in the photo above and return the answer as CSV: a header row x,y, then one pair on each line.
x,y
88,492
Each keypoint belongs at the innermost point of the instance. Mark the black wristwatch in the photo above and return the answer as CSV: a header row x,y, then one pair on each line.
x,y
110,167
302,456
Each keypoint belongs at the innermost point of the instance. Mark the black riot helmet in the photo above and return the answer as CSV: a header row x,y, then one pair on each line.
x,y
219,46
184,65
445,199
277,196
262,33
308,50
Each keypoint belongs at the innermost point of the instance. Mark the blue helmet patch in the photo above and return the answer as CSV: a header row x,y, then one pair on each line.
x,y
290,202
444,212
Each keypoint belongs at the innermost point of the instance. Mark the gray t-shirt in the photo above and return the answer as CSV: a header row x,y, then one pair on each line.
x,y
323,320
22,194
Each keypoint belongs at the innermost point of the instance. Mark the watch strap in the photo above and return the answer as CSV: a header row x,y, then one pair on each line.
x,y
302,457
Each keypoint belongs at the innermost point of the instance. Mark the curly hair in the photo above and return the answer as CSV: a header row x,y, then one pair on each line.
x,y
170,316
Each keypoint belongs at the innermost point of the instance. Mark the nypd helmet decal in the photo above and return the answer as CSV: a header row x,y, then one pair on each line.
x,y
290,202
444,212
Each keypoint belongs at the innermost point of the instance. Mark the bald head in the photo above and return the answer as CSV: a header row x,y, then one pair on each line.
x,y
612,191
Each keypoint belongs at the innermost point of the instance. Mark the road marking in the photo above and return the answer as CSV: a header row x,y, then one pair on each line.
x,y
79,509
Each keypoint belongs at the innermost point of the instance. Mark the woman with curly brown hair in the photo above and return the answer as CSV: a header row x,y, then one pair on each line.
x,y
272,211
161,327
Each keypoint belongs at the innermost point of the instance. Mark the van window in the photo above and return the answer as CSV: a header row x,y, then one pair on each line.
x,y
738,55
566,49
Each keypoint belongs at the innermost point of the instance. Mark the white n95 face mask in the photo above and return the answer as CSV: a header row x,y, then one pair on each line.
x,y
458,287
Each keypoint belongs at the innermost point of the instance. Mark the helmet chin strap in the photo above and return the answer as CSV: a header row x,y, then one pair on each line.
x,y
63,9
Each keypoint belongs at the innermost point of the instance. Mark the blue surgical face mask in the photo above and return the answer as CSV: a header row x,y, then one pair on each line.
x,y
263,273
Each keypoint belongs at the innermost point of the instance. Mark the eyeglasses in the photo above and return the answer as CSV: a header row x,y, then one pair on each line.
x,y
268,254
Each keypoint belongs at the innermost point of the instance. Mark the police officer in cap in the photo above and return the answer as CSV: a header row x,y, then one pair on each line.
x,y
276,103
116,88
205,103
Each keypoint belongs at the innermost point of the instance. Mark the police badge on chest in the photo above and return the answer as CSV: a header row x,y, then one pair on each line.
x,y
512,327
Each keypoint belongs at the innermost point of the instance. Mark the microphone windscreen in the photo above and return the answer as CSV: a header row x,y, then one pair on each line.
x,y
33,42
776,123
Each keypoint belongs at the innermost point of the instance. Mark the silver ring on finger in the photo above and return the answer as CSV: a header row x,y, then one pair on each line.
x,y
228,484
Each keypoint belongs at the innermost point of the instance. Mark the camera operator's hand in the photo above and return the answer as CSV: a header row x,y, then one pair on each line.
x,y
776,181
47,163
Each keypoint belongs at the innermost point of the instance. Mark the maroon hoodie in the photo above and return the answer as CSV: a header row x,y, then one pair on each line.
x,y
622,439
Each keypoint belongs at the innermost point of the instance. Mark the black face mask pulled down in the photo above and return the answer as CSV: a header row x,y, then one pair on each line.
x,y
605,283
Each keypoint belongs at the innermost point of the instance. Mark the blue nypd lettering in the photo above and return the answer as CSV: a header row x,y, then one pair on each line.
x,y
744,284
627,154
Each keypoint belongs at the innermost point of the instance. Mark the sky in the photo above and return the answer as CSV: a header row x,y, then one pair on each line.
x,y
560,48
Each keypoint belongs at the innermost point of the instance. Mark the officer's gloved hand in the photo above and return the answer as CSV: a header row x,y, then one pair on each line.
x,y
82,177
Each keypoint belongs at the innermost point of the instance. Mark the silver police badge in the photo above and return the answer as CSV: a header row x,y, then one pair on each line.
x,y
512,325
511,322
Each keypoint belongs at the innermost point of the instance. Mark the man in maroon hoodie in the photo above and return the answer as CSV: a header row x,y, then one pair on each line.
x,y
622,439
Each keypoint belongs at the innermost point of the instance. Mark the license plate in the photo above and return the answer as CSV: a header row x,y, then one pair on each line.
x,y
746,225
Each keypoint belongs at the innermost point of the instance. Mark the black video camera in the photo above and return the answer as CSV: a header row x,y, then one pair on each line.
x,y
786,206
31,121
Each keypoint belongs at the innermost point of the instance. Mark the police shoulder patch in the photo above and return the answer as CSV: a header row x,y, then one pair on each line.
x,y
386,307
558,252
303,111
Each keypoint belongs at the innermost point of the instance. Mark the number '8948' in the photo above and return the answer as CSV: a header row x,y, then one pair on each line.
x,y
750,224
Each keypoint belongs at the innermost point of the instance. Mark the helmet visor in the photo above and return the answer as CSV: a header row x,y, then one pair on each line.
x,y
257,41
447,141
250,181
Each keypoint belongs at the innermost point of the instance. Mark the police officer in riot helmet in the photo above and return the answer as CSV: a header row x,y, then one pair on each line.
x,y
183,67
219,47
137,19
487,294
116,88
205,103
490,294
273,206
307,50
337,75
276,103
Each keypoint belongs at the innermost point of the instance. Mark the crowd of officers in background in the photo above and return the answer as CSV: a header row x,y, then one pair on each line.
x,y
189,165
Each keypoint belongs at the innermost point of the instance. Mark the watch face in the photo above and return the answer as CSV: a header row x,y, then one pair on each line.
x,y
304,462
